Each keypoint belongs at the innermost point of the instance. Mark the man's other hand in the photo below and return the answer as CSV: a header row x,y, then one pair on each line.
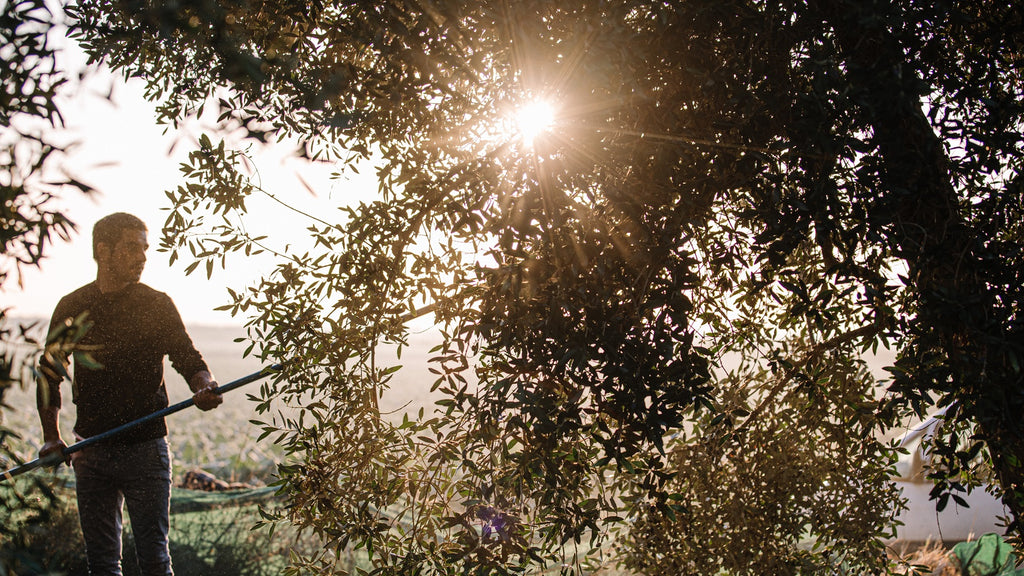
x,y
54,447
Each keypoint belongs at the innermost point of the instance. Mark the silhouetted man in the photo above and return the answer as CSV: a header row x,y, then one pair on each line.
x,y
117,378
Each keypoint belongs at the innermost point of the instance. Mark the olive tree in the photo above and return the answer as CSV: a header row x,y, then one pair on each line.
x,y
655,311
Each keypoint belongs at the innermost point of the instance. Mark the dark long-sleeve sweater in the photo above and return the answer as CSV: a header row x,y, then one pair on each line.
x,y
131,331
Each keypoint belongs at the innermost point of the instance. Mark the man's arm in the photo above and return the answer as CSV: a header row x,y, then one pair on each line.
x,y
52,442
48,404
187,360
53,368
204,387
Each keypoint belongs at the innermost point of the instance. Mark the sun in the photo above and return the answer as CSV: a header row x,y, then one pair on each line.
x,y
533,119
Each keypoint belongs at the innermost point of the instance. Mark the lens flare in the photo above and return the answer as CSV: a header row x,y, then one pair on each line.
x,y
534,119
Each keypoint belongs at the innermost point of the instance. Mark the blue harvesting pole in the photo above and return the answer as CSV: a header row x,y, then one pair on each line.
x,y
55,458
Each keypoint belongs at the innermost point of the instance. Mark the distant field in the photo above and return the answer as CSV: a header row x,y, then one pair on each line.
x,y
223,440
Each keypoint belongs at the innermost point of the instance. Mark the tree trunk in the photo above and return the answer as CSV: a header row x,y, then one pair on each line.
x,y
958,314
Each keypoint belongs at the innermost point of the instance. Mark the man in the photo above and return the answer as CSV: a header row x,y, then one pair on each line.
x,y
117,378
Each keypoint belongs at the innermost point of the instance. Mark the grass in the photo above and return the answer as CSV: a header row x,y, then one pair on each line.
x,y
932,559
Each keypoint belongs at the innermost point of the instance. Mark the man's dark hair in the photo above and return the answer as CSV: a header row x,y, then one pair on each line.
x,y
108,230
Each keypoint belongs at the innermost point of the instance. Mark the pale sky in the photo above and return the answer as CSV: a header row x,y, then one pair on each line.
x,y
129,159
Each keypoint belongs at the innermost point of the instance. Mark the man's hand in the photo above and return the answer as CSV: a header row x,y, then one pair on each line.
x,y
207,398
54,447
205,388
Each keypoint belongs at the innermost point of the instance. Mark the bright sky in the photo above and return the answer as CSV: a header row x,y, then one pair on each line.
x,y
125,155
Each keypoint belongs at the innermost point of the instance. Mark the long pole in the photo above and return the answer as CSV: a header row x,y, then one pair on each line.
x,y
55,458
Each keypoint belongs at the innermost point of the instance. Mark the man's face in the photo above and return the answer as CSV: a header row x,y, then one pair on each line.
x,y
125,260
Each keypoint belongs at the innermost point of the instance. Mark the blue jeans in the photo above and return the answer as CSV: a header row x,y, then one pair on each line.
x,y
139,475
